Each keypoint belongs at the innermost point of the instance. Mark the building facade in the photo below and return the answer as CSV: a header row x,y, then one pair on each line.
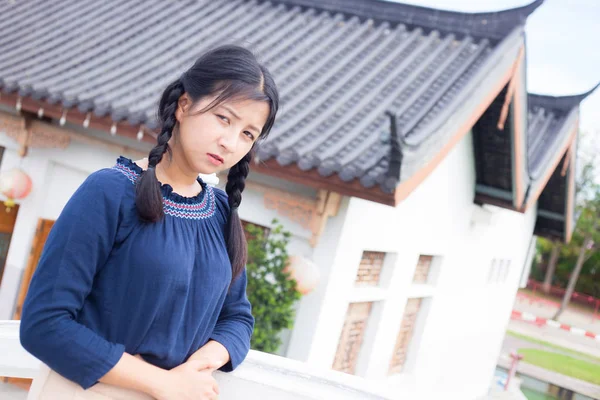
x,y
408,162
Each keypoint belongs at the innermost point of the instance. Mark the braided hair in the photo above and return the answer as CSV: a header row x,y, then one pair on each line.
x,y
148,200
228,72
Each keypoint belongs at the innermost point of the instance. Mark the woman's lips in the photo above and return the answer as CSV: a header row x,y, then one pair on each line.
x,y
215,159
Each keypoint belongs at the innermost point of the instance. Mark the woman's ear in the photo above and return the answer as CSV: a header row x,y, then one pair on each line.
x,y
183,104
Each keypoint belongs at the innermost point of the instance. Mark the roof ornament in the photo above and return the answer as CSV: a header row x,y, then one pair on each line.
x,y
113,129
395,151
19,105
63,117
86,121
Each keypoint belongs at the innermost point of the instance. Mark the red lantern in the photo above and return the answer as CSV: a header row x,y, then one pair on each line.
x,y
14,184
304,272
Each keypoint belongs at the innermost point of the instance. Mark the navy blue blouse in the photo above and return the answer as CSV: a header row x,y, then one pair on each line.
x,y
109,283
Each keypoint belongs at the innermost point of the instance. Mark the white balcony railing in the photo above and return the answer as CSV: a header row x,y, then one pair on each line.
x,y
262,376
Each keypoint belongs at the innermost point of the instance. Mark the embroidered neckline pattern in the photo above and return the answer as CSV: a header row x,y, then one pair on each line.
x,y
201,206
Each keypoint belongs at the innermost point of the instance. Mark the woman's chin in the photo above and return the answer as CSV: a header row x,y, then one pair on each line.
x,y
208,169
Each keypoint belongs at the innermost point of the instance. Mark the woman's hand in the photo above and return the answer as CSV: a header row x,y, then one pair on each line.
x,y
191,380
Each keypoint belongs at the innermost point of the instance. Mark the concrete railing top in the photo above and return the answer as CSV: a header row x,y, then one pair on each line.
x,y
262,376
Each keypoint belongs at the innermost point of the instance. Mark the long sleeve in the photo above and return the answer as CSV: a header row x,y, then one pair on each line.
x,y
235,324
76,249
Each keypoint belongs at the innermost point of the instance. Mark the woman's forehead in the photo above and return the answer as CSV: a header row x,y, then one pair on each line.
x,y
252,111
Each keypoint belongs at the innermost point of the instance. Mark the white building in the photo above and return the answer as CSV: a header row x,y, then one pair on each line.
x,y
387,163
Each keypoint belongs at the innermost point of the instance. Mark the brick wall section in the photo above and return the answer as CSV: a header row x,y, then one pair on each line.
x,y
370,267
422,270
407,328
352,337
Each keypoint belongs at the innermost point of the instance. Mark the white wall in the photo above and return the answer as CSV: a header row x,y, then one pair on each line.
x,y
466,316
253,210
55,174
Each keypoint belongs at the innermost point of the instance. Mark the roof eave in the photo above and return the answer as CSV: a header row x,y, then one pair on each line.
x,y
561,102
74,115
492,25
313,179
570,193
520,176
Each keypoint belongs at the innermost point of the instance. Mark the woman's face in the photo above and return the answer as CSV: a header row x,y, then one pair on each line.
x,y
217,139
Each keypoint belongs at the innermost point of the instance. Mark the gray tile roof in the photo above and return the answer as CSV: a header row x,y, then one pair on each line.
x,y
551,120
341,66
547,116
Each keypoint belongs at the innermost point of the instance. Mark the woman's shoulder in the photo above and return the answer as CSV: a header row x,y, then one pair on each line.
x,y
111,181
220,195
221,200
124,169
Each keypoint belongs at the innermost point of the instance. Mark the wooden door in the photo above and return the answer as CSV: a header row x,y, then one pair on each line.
x,y
41,234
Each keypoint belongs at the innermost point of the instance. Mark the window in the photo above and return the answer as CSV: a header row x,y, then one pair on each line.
x,y
423,269
498,271
407,329
412,324
364,312
352,337
369,271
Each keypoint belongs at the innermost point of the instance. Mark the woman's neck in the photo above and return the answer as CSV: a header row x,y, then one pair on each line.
x,y
182,180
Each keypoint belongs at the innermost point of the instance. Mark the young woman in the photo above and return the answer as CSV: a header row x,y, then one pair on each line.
x,y
141,289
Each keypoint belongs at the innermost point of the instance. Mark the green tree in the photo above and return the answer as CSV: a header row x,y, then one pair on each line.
x,y
270,289
584,244
576,265
546,246
586,237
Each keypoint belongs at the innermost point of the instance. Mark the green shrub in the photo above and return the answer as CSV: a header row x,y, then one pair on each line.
x,y
270,290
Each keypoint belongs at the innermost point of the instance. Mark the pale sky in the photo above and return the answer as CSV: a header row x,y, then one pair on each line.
x,y
563,47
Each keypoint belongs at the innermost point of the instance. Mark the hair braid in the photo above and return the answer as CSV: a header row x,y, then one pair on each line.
x,y
236,181
148,193
236,242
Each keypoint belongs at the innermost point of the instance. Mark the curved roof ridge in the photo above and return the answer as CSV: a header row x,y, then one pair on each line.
x,y
564,103
494,24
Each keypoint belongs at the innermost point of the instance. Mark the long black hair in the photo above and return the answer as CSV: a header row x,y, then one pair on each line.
x,y
229,72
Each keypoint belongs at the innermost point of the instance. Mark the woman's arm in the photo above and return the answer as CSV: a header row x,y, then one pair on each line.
x,y
233,329
192,380
77,247
212,351
134,373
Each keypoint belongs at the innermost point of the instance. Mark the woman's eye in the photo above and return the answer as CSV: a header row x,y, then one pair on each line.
x,y
223,118
249,134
